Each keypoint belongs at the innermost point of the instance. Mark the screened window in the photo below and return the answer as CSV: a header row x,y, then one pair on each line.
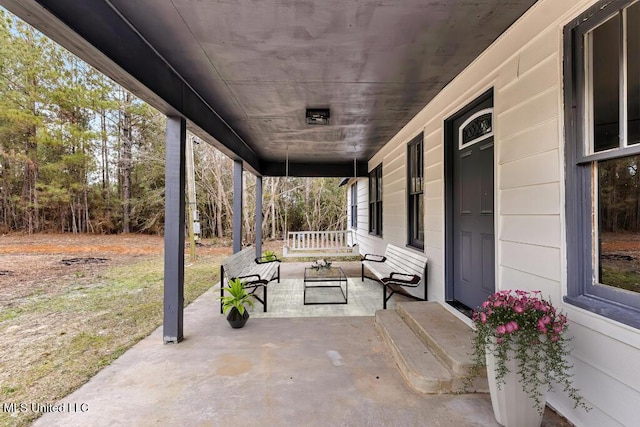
x,y
354,205
602,102
375,201
415,208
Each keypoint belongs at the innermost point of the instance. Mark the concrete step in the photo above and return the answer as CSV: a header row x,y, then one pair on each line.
x,y
430,345
418,365
450,339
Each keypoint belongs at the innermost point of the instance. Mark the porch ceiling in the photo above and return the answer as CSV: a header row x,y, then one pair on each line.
x,y
243,72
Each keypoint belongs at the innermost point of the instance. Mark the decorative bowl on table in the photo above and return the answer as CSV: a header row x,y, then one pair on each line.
x,y
321,263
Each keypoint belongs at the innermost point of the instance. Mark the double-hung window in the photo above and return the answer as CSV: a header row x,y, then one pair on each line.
x,y
602,122
415,202
354,205
375,201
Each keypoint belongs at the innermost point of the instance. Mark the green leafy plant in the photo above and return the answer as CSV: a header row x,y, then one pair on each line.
x,y
237,297
269,256
522,325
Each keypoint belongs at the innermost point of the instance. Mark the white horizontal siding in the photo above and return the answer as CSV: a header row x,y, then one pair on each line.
x,y
433,222
539,169
393,183
542,199
368,243
537,140
534,83
434,189
541,261
540,230
394,196
599,349
434,155
524,67
613,402
433,172
511,278
529,114
435,273
434,208
545,44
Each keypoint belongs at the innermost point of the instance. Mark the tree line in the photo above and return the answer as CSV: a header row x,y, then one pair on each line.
x,y
80,154
618,190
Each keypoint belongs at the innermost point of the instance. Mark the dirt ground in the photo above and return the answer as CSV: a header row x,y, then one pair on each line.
x,y
36,264
39,263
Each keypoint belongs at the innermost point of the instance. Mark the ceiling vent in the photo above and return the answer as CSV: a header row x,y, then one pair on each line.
x,y
318,116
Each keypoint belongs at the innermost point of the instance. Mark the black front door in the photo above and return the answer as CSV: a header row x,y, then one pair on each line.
x,y
471,180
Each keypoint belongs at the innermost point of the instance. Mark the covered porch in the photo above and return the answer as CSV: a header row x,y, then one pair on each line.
x,y
311,371
379,92
282,88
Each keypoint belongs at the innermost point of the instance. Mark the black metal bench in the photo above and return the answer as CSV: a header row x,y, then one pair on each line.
x,y
255,272
397,267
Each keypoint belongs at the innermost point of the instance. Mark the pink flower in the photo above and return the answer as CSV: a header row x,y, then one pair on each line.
x,y
508,311
511,327
542,327
483,317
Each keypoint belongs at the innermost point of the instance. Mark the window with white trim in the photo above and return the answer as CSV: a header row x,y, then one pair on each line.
x,y
602,109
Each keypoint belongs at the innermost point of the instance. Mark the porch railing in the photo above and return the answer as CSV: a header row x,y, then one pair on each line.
x,y
321,243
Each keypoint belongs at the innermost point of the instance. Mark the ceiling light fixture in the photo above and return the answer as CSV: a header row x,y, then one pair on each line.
x,y
318,116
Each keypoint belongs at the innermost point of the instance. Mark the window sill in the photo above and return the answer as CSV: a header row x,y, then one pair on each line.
x,y
621,313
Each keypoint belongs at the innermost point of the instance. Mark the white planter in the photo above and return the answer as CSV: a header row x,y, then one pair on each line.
x,y
512,406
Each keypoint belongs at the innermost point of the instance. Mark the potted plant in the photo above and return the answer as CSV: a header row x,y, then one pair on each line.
x,y
235,302
269,256
520,338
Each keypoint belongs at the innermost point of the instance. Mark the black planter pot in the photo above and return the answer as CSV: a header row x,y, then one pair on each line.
x,y
237,320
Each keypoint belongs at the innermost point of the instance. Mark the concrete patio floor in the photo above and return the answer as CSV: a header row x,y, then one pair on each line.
x,y
322,371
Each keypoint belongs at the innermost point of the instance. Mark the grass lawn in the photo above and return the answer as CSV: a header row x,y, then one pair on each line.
x,y
55,342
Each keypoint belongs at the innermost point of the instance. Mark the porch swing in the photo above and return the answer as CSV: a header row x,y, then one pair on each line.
x,y
318,243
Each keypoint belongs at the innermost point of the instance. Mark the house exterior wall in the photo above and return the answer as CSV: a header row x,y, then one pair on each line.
x,y
368,244
524,67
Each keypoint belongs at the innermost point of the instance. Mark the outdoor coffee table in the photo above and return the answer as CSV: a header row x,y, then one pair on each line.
x,y
325,286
